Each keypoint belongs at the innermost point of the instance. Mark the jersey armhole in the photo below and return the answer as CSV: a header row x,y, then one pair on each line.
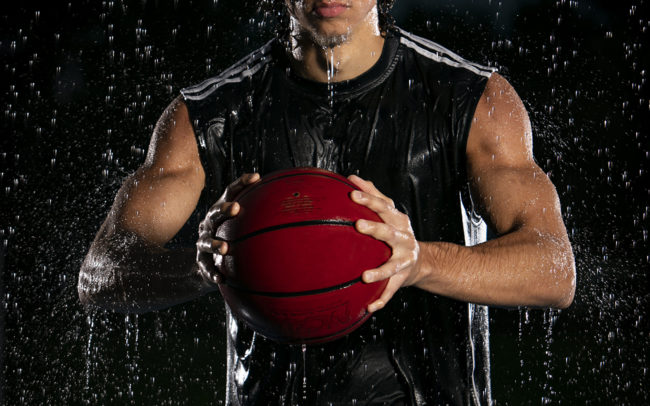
x,y
471,216
206,146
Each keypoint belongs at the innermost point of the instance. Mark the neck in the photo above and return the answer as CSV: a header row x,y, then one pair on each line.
x,y
345,58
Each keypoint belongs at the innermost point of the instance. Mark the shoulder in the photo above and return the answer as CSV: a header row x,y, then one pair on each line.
x,y
173,145
427,51
501,129
243,70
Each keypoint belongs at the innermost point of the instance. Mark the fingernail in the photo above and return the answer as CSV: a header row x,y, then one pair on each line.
x,y
368,277
357,195
362,225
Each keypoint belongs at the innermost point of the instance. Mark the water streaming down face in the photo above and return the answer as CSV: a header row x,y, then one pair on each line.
x,y
84,84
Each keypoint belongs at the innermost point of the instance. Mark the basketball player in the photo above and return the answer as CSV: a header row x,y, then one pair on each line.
x,y
438,146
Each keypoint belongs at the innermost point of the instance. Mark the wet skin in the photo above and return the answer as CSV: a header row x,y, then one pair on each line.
x,y
529,264
333,18
337,47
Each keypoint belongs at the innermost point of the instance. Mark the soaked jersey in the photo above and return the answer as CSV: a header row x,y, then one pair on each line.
x,y
403,124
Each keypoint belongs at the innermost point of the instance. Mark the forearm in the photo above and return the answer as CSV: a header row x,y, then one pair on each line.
x,y
522,268
121,272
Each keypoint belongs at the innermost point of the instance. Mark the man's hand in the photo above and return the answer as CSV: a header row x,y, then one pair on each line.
x,y
402,268
209,252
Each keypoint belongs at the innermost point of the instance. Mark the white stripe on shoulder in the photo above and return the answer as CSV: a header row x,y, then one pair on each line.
x,y
438,53
428,44
245,67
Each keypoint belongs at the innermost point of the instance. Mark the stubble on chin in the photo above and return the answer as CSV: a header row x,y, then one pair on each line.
x,y
301,33
328,41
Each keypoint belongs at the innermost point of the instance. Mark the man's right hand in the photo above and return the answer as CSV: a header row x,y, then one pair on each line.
x,y
210,251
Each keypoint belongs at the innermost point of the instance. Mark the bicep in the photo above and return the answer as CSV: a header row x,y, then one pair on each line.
x,y
512,198
156,201
511,189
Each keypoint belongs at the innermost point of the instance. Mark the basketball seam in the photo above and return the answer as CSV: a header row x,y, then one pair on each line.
x,y
294,294
326,222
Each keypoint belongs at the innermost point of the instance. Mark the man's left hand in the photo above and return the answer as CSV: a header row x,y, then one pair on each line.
x,y
402,268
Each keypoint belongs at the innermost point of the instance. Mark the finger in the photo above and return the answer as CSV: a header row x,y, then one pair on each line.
x,y
389,269
211,246
382,231
376,204
217,215
220,209
391,288
369,187
240,184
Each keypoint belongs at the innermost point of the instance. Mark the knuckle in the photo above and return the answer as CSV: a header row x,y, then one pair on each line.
x,y
408,262
213,210
206,224
385,271
201,246
391,209
415,248
223,207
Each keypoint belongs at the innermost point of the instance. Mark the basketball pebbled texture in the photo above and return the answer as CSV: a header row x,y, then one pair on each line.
x,y
294,264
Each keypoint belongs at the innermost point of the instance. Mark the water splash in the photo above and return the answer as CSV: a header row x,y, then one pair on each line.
x,y
90,321
133,56
304,372
331,72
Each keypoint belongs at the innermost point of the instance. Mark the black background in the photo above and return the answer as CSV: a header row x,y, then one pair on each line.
x,y
83,82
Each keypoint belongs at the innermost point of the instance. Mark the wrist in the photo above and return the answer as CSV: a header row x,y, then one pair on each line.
x,y
437,265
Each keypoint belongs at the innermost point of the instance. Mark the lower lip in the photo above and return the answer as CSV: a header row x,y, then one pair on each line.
x,y
329,12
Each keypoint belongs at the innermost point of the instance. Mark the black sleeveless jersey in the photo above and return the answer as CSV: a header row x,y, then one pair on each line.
x,y
403,124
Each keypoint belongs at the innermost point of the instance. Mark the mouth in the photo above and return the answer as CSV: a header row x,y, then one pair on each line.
x,y
330,10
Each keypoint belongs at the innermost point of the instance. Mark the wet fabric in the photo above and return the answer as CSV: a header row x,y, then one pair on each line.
x,y
403,125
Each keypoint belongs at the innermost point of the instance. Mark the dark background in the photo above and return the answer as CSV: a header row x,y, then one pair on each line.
x,y
83,82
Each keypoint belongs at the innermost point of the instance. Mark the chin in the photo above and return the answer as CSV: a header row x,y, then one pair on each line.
x,y
324,34
329,34
329,40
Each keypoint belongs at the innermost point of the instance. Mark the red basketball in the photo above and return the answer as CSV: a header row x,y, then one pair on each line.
x,y
294,265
